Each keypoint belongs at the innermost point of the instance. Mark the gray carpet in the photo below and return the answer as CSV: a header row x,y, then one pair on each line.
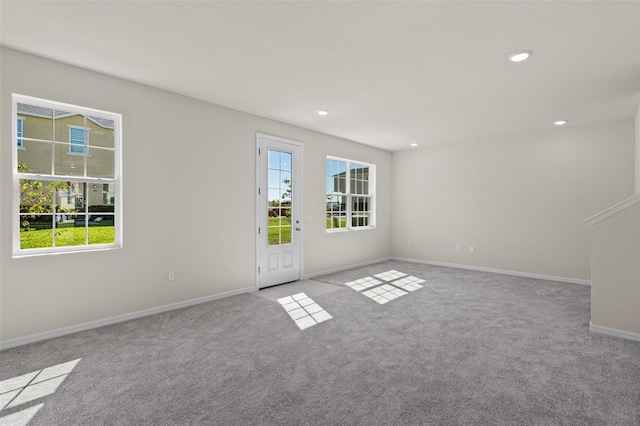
x,y
467,348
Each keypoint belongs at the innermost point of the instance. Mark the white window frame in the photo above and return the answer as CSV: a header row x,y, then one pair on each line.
x,y
349,195
87,180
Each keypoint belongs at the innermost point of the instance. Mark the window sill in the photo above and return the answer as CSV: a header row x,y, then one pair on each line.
x,y
36,253
338,230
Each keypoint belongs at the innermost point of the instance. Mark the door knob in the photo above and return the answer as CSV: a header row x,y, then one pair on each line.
x,y
298,229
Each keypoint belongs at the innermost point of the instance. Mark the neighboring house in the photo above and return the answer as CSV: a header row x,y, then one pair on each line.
x,y
42,153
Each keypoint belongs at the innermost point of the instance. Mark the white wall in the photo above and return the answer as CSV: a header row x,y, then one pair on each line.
x,y
638,151
520,201
615,290
189,203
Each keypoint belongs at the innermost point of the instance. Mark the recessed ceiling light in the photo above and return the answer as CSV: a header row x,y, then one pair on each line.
x,y
520,56
323,112
560,122
414,145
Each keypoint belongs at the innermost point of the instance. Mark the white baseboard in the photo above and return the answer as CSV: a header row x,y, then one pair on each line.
x,y
496,271
614,332
12,343
344,268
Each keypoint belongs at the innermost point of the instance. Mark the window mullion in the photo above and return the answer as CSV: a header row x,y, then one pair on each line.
x,y
37,176
53,139
85,148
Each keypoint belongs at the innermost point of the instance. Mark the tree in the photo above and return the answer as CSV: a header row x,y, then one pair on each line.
x,y
36,198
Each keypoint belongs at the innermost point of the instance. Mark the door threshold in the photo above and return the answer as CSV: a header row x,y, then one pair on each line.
x,y
276,285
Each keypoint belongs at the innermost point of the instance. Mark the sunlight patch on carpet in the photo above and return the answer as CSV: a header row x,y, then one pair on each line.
x,y
16,391
303,310
398,284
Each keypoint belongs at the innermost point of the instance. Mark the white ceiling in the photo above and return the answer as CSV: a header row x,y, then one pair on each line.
x,y
390,73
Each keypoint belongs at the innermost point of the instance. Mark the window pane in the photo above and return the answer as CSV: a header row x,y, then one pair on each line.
x,y
36,196
360,220
36,231
74,197
101,132
336,176
336,204
336,212
108,194
67,162
360,204
72,236
361,212
35,157
342,185
38,121
101,216
62,121
336,220
102,234
101,163
95,199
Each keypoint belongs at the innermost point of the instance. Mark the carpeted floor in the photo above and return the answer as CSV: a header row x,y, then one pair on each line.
x,y
466,348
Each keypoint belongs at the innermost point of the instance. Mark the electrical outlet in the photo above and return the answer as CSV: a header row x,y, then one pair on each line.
x,y
457,248
471,249
172,275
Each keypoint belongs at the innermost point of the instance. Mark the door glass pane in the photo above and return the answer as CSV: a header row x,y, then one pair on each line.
x,y
274,179
279,197
274,159
285,162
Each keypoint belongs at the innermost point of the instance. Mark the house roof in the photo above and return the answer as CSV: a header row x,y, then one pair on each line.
x,y
38,111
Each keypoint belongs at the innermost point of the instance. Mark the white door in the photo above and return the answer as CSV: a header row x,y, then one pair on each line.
x,y
279,210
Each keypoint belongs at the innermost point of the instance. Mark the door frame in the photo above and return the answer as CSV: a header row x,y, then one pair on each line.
x,y
300,196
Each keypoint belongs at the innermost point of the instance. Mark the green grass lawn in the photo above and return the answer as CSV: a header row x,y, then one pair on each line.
x,y
66,237
279,230
337,223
